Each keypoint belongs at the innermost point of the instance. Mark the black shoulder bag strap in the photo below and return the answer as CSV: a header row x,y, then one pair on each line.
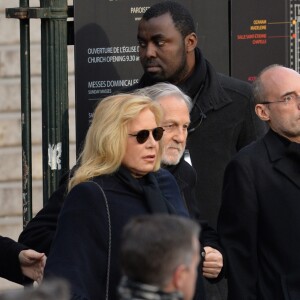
x,y
109,239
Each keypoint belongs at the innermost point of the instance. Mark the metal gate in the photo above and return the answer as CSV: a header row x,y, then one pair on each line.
x,y
56,32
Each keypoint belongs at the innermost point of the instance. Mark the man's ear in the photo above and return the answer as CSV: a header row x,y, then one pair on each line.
x,y
179,277
191,42
262,112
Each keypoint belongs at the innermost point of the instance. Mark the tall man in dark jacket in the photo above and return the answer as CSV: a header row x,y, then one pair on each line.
x,y
222,118
259,220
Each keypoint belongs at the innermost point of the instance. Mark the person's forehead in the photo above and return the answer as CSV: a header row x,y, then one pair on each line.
x,y
280,80
171,101
144,120
157,25
174,106
280,71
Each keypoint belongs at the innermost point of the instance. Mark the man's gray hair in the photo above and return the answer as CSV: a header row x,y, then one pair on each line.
x,y
153,246
258,88
163,89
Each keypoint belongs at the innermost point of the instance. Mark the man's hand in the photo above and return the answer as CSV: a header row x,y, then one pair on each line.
x,y
32,264
213,263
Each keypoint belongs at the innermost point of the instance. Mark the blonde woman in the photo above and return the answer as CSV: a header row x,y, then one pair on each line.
x,y
118,178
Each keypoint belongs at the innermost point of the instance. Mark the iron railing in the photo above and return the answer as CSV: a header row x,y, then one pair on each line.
x,y
55,116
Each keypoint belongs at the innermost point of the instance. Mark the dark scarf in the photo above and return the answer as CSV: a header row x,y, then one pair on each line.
x,y
285,155
175,170
129,290
204,88
293,151
148,187
171,168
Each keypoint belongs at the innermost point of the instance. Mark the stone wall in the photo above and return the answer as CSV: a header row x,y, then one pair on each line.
x,y
10,118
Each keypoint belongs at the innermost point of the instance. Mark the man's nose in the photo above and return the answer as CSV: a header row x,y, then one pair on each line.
x,y
181,135
151,50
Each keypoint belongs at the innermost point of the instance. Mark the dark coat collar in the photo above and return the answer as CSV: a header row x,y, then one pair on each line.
x,y
203,86
176,171
278,150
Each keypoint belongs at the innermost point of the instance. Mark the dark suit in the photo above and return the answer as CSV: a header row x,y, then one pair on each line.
x,y
186,178
259,221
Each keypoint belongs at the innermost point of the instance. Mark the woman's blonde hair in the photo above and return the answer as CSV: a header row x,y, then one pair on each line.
x,y
106,139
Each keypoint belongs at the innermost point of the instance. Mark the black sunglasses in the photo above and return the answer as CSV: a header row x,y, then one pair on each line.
x,y
143,135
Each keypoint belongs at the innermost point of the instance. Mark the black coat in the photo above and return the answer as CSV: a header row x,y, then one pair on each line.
x,y
259,221
186,178
225,106
85,249
39,232
9,260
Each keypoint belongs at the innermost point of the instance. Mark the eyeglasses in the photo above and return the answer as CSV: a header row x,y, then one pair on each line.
x,y
286,99
143,135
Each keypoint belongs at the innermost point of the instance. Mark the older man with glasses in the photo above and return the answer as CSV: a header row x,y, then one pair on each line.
x,y
259,220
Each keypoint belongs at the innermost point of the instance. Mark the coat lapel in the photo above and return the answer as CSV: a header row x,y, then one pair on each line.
x,y
286,165
290,168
